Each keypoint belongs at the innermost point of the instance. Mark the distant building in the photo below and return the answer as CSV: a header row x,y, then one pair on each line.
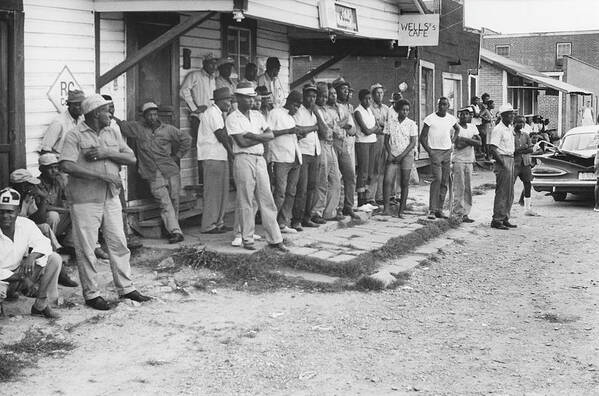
x,y
572,57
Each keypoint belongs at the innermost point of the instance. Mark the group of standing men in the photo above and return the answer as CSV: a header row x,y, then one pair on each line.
x,y
297,157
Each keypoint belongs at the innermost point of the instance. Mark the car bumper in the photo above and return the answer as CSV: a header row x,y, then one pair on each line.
x,y
563,185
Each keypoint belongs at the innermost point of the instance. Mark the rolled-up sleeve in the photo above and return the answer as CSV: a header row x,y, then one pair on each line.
x,y
38,243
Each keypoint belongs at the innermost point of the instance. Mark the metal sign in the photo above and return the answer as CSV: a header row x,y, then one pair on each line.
x,y
346,17
418,30
59,90
336,16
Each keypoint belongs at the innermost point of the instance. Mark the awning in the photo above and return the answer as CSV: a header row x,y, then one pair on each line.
x,y
529,73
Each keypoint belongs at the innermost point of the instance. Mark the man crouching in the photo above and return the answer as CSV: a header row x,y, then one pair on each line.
x,y
38,268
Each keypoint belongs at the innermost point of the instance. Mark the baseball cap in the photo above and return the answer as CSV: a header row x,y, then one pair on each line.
x,y
75,96
309,87
23,176
149,106
9,198
467,108
339,81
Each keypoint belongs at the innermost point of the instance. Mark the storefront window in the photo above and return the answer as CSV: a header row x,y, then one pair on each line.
x,y
452,90
427,98
239,41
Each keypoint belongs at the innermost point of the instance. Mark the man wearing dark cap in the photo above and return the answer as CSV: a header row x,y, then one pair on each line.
x,y
27,257
92,156
250,131
196,90
270,79
307,194
286,157
225,72
160,147
57,130
214,151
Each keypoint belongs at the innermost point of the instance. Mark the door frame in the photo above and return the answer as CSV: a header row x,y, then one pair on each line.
x,y
12,11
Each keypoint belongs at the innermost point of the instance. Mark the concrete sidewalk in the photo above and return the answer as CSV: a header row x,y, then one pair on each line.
x,y
335,241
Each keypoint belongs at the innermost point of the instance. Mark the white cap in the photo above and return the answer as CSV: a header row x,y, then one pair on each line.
x,y
9,198
48,159
92,102
149,106
505,108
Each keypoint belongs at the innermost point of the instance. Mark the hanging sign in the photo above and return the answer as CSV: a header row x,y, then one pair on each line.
x,y
418,30
59,90
336,16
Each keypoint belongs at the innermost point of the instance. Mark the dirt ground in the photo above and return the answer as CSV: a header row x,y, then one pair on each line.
x,y
503,312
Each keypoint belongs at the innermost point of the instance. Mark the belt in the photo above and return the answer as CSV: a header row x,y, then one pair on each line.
x,y
329,142
256,154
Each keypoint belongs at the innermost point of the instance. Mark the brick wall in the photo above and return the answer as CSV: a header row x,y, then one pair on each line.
x,y
586,76
490,80
540,51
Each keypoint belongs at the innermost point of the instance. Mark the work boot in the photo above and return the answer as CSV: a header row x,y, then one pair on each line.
x,y
98,303
309,223
175,237
134,242
47,312
318,220
136,296
101,254
508,224
499,225
65,280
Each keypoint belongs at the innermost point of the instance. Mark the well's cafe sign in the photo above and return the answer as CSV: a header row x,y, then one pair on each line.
x,y
418,30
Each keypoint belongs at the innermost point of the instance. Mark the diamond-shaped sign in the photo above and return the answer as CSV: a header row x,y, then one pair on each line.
x,y
59,90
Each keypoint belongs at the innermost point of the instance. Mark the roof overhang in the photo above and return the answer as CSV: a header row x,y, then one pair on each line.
x,y
530,73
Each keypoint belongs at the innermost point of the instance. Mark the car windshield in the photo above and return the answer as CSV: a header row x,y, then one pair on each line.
x,y
579,141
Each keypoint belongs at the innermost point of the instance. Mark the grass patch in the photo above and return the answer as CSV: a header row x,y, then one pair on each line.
x,y
24,353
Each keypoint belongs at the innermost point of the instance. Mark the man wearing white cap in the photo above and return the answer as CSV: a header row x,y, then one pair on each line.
x,y
92,156
27,256
502,146
160,147
57,130
197,89
250,131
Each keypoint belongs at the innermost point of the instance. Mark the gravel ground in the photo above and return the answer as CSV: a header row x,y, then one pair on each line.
x,y
504,312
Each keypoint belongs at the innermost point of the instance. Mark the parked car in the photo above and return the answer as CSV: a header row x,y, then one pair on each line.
x,y
569,166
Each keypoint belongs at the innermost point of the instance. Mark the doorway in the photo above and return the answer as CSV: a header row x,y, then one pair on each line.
x,y
155,78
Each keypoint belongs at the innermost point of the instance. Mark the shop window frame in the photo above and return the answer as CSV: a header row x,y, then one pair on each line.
x,y
227,22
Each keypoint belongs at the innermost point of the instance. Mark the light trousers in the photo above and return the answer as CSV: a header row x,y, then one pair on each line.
x,y
166,191
285,178
462,189
216,193
441,169
87,219
252,182
328,188
504,189
344,151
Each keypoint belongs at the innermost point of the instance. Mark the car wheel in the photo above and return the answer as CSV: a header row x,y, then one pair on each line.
x,y
559,196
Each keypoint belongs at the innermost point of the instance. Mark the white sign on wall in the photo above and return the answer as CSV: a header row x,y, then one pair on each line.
x,y
59,90
418,30
336,16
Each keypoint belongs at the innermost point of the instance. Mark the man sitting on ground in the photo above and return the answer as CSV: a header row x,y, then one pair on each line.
x,y
41,266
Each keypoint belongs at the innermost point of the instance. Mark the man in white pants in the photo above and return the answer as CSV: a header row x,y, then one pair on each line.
x,y
92,155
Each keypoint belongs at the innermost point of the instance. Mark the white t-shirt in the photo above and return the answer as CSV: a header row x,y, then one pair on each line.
x,y
283,148
466,154
238,124
440,131
209,148
369,121
309,145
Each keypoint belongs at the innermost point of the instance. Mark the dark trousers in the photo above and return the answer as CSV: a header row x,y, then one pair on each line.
x,y
441,168
504,189
285,178
306,194
348,173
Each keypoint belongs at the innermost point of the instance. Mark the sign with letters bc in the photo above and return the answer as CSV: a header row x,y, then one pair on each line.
x,y
336,16
59,90
418,30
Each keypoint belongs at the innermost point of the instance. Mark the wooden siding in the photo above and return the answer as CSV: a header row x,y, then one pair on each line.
x,y
57,33
113,52
272,41
162,5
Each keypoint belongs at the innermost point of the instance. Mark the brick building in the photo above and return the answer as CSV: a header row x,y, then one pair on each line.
x,y
529,90
572,57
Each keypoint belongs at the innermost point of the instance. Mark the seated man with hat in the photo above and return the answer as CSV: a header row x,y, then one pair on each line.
x,y
57,130
27,257
214,150
92,156
160,147
250,131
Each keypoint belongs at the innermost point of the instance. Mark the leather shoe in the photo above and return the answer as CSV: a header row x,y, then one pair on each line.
x,y
318,220
47,312
101,254
440,215
65,280
498,225
280,247
249,246
225,228
297,226
136,296
351,213
175,237
215,231
508,224
309,224
467,219
98,303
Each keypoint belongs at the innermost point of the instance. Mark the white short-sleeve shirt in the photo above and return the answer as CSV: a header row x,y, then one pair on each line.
x,y
466,154
369,121
27,236
440,130
503,138
309,145
238,124
283,148
209,148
